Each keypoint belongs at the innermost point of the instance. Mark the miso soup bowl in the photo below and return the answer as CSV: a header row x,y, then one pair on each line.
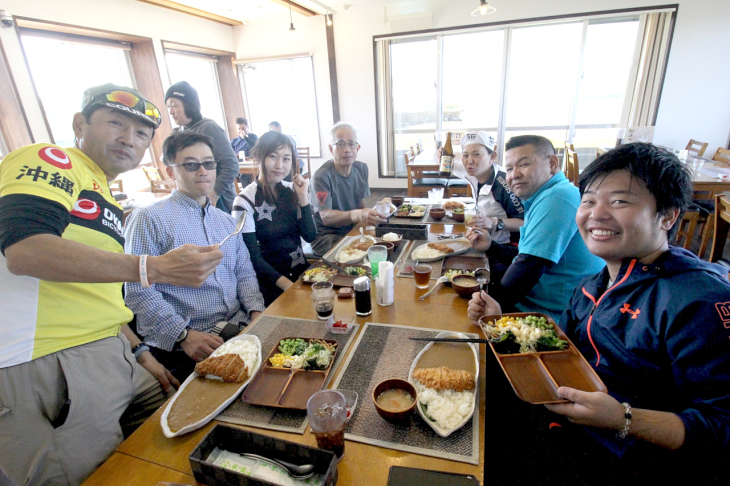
x,y
461,284
395,383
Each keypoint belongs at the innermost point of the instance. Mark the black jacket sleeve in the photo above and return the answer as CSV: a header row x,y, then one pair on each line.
x,y
519,279
24,215
306,224
263,269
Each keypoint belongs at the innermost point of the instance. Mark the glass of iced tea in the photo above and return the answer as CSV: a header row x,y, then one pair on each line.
x,y
324,303
327,414
422,274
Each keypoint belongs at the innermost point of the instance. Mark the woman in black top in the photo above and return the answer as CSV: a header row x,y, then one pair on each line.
x,y
279,216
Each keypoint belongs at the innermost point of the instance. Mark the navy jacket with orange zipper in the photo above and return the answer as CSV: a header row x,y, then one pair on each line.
x,y
659,338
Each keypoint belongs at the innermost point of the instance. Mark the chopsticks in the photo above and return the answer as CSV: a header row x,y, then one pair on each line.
x,y
336,267
451,340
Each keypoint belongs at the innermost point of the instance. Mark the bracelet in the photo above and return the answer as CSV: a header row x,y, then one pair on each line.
x,y
143,272
139,349
624,432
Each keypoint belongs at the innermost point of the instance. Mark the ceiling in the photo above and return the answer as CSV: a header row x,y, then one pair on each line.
x,y
245,11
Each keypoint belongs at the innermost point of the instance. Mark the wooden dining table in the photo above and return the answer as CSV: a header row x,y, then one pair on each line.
x,y
148,457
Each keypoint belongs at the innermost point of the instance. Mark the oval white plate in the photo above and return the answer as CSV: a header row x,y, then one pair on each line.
x,y
460,245
356,260
440,431
189,428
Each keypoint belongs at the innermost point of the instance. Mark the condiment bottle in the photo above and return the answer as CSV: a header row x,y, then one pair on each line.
x,y
447,157
363,304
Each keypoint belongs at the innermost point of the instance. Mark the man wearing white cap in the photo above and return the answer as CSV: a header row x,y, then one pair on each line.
x,y
500,211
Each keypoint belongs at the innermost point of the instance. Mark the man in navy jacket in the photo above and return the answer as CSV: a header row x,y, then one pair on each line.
x,y
654,324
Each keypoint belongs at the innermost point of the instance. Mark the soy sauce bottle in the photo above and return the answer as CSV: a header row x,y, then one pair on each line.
x,y
363,304
447,157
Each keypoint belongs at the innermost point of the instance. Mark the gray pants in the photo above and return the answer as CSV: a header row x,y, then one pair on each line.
x,y
60,414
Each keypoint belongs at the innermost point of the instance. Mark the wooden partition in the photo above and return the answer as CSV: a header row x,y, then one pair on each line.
x,y
13,122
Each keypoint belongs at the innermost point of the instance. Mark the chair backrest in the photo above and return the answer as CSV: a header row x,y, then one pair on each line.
x,y
687,226
722,155
696,148
567,146
303,152
116,185
572,168
722,225
157,182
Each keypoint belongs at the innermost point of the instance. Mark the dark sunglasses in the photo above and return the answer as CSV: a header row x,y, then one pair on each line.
x,y
194,166
131,100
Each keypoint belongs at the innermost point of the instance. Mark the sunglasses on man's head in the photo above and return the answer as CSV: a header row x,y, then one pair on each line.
x,y
132,101
194,166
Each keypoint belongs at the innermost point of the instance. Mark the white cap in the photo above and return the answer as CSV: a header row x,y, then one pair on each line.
x,y
480,137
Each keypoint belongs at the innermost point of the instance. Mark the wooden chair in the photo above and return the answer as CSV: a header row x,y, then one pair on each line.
x,y
457,188
303,152
419,186
116,185
158,184
687,227
722,155
572,168
418,148
696,148
722,225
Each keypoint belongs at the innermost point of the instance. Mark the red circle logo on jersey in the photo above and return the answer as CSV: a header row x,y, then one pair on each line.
x,y
86,209
55,156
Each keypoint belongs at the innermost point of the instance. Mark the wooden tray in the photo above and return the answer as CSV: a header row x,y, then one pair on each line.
x,y
459,262
535,377
339,279
284,387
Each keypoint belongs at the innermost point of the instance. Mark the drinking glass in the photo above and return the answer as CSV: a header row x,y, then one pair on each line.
x,y
327,414
324,303
377,254
469,215
422,274
383,207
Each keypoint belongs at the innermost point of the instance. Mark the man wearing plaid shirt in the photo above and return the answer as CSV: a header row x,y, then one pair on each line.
x,y
181,325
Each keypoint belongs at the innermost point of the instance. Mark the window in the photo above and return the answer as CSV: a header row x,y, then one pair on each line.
x,y
3,147
282,90
200,71
572,79
62,68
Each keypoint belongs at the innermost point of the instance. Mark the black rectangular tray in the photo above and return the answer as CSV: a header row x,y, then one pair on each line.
x,y
409,231
240,441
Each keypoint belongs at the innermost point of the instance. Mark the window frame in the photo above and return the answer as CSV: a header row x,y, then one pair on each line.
x,y
384,108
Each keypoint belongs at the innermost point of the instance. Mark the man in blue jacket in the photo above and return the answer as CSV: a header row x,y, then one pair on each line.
x,y
654,324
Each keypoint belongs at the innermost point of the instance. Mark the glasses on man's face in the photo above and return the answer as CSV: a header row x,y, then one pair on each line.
x,y
194,166
341,144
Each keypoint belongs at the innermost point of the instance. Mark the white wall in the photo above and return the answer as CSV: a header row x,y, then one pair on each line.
x,y
695,102
123,16
266,38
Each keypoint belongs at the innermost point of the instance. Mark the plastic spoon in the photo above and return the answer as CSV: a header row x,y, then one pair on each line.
x,y
438,282
239,226
299,472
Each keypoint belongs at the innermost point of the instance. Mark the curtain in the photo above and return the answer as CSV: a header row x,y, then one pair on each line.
x,y
386,136
650,74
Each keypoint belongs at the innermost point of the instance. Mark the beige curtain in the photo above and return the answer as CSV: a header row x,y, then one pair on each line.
x,y
386,136
650,72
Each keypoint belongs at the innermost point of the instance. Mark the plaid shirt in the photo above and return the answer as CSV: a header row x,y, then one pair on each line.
x,y
164,311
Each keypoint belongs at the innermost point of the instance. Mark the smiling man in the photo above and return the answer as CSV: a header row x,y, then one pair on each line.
x,y
654,324
181,327
66,373
339,189
551,258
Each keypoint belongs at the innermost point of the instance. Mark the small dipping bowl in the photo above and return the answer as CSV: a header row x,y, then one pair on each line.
x,y
389,245
437,214
462,286
397,200
395,383
458,217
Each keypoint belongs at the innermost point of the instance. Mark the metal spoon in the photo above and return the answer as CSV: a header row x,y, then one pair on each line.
x,y
482,275
298,472
438,282
239,226
362,234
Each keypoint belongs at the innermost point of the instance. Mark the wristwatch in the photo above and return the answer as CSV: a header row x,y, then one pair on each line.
x,y
500,224
497,224
182,336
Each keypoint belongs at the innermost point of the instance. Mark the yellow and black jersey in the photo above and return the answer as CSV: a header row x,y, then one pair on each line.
x,y
39,317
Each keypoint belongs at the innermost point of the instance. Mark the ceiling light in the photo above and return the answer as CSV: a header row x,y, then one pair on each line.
x,y
292,31
329,18
483,9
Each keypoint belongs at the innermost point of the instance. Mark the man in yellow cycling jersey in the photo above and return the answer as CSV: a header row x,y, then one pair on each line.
x,y
67,374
